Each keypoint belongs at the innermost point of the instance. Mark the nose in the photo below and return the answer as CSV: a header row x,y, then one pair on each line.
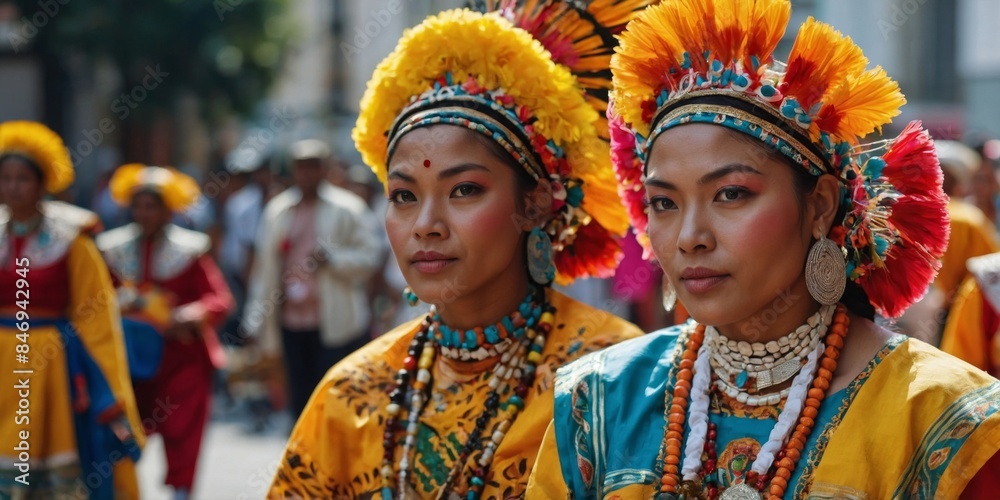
x,y
430,221
696,233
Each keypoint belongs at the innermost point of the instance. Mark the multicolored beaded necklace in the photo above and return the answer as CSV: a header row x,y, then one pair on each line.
x,y
771,484
512,377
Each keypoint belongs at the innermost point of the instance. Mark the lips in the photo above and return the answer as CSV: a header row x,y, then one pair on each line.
x,y
697,280
431,262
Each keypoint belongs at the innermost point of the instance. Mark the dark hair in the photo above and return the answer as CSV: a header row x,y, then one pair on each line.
x,y
28,161
854,298
152,192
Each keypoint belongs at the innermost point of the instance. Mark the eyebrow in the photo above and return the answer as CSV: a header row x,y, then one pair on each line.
x,y
714,175
444,174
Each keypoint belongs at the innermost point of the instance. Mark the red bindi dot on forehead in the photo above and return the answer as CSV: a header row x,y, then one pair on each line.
x,y
427,164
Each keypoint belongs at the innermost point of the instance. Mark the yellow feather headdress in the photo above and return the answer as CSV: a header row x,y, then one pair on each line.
x,y
533,76
43,147
178,190
710,61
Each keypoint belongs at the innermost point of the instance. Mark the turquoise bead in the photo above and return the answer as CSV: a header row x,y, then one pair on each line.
x,y
516,401
741,379
476,481
386,493
508,324
470,339
492,334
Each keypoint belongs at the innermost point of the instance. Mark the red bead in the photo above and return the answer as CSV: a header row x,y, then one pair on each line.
x,y
713,492
712,434
710,466
479,472
410,363
521,391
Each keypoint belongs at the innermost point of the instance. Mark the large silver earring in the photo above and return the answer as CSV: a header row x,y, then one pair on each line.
x,y
541,262
669,295
826,271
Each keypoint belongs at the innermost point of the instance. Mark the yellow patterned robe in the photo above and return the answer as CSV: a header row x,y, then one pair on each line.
x,y
916,423
336,449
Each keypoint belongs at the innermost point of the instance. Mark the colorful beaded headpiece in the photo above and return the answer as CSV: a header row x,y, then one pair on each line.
x,y
710,61
531,75
43,147
177,190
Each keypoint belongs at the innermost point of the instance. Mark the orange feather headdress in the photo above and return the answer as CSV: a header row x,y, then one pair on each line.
x,y
711,61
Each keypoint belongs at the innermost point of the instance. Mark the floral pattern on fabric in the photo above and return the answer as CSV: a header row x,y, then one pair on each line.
x,y
335,450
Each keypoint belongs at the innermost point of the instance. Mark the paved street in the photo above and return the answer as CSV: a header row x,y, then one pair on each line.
x,y
234,464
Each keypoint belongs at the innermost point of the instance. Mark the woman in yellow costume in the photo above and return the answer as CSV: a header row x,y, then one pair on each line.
x,y
499,182
71,429
783,235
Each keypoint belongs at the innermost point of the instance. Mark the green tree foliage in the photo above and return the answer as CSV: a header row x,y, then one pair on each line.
x,y
227,52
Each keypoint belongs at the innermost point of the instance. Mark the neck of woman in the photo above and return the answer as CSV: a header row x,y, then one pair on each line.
x,y
458,364
790,309
25,214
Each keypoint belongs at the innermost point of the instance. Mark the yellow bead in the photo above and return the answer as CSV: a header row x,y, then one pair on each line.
x,y
547,317
534,357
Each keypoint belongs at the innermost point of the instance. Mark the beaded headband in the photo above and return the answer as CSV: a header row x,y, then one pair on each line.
x,y
710,61
43,147
521,75
177,190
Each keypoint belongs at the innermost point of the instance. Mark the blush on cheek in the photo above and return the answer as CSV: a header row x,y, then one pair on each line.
x,y
770,227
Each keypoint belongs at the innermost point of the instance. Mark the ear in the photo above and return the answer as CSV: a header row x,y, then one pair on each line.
x,y
823,203
537,205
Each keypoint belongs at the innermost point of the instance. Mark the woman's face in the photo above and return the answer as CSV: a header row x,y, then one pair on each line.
x,y
728,228
21,187
149,212
453,218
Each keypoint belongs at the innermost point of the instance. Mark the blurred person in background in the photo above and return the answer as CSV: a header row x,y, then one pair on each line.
x,y
972,332
316,249
985,192
83,415
167,281
250,175
972,233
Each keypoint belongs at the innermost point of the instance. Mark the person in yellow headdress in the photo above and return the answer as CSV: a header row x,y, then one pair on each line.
x,y
167,282
69,426
485,129
783,234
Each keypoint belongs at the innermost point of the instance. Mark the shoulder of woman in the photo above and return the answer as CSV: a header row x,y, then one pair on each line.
x,y
371,365
626,361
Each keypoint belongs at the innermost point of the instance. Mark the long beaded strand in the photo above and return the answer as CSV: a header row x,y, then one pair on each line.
x,y
519,362
670,485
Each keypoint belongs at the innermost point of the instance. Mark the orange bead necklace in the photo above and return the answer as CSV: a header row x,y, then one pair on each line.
x,y
670,484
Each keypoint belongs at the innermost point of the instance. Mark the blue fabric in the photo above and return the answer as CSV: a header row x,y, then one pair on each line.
x,y
144,348
97,444
610,413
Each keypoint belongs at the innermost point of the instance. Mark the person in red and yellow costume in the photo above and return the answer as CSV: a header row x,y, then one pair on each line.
x,y
166,280
69,426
